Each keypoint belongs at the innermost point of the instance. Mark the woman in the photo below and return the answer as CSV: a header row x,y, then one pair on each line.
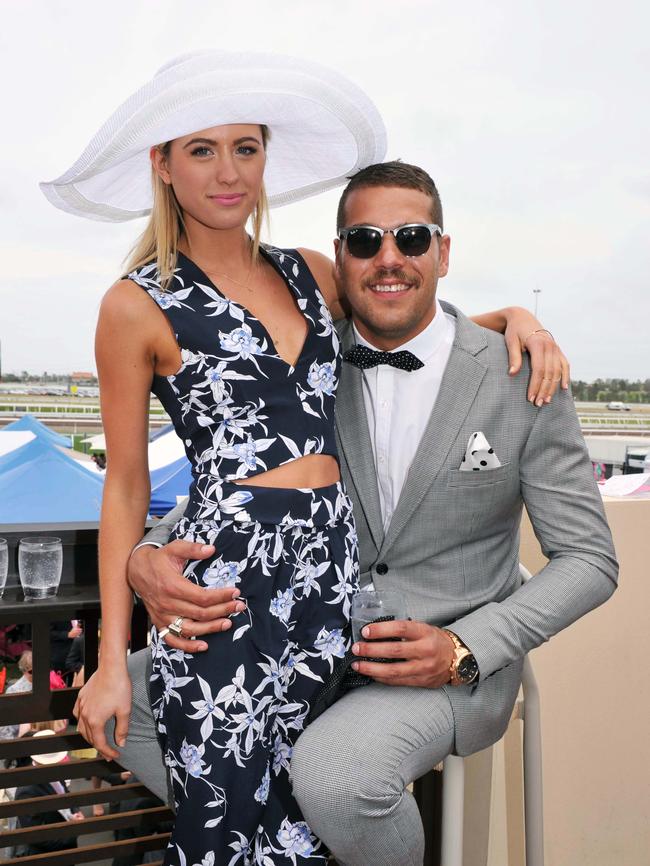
x,y
239,343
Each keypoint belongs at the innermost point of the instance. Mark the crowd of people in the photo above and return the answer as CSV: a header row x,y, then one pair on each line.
x,y
69,638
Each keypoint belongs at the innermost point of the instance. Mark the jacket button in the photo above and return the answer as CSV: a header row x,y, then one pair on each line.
x,y
381,568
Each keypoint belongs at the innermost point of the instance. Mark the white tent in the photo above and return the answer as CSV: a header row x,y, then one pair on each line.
x,y
97,442
164,450
12,439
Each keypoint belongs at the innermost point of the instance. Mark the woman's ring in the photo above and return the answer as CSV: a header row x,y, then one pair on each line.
x,y
176,627
162,633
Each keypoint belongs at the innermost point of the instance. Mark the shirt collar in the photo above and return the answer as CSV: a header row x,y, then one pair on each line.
x,y
425,344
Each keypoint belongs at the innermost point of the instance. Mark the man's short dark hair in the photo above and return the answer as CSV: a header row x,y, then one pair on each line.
x,y
395,173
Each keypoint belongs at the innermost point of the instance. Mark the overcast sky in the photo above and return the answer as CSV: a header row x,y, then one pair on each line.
x,y
531,116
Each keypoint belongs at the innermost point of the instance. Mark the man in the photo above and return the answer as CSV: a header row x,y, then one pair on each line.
x,y
439,453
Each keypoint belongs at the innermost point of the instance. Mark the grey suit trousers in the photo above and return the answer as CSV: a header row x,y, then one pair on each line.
x,y
350,768
142,754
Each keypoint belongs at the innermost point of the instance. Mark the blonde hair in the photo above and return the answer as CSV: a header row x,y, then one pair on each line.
x,y
25,661
159,241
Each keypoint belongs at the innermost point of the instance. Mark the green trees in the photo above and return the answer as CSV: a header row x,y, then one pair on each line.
x,y
604,390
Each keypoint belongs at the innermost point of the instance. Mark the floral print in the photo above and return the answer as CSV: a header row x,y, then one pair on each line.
x,y
238,406
227,718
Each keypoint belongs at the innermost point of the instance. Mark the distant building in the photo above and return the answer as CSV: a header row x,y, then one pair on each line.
x,y
82,384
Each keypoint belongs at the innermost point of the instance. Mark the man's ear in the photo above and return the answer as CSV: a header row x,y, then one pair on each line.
x,y
337,253
444,244
159,163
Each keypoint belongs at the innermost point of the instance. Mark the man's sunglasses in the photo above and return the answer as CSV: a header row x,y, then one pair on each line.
x,y
412,239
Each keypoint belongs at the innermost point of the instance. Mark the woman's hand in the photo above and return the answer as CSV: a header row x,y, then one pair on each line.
x,y
549,367
107,694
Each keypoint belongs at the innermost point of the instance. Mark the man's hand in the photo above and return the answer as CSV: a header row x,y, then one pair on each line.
x,y
549,367
156,575
427,652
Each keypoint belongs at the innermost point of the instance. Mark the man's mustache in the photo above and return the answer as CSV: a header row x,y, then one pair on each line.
x,y
397,275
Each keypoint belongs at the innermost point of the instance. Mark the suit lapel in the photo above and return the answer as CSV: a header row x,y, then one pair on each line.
x,y
459,387
352,425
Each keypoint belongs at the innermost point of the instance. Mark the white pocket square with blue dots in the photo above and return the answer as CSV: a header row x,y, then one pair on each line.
x,y
479,455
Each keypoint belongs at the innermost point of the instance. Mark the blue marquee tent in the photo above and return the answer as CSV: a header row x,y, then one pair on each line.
x,y
162,431
40,484
167,483
28,422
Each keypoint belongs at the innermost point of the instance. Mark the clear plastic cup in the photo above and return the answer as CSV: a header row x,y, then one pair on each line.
x,y
40,562
370,605
4,564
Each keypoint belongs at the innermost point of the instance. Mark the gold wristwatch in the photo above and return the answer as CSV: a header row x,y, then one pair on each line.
x,y
464,668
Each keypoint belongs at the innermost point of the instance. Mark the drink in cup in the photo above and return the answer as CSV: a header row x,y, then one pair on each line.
x,y
4,564
40,561
370,605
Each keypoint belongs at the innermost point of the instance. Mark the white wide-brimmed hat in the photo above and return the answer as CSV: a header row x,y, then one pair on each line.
x,y
48,757
323,130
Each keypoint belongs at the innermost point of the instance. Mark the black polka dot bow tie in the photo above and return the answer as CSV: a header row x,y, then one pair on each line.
x,y
364,358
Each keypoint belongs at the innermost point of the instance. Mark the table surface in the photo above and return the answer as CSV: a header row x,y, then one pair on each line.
x,y
70,598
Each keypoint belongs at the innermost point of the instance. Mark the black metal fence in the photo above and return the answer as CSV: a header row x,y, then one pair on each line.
x,y
137,821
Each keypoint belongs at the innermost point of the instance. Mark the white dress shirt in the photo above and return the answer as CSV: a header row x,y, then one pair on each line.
x,y
398,404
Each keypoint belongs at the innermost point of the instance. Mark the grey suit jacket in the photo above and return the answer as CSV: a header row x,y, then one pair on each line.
x,y
452,547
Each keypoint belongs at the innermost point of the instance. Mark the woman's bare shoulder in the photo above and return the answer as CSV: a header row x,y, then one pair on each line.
x,y
127,304
125,294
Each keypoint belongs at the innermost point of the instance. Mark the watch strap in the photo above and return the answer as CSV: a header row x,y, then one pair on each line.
x,y
460,652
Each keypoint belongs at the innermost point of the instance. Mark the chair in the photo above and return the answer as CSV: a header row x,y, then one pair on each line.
x,y
453,784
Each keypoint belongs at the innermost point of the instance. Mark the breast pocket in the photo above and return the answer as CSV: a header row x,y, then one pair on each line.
x,y
484,498
480,478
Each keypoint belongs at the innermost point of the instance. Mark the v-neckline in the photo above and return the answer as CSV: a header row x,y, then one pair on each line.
x,y
245,310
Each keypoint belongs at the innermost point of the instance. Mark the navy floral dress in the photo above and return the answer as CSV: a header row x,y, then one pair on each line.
x,y
228,717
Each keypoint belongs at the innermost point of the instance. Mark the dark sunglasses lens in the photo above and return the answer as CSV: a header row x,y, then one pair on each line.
x,y
413,240
363,243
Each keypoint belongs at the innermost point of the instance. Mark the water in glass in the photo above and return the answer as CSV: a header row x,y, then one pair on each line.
x,y
40,561
4,564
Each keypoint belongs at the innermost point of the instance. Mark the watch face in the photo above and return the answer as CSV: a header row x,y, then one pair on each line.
x,y
467,669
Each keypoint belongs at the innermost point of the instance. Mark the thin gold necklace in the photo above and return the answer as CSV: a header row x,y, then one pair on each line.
x,y
232,279
245,285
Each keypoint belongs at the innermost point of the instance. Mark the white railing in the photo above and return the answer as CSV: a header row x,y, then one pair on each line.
x,y
623,422
61,410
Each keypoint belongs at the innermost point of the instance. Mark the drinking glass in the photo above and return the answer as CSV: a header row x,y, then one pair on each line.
x,y
40,561
370,605
4,564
